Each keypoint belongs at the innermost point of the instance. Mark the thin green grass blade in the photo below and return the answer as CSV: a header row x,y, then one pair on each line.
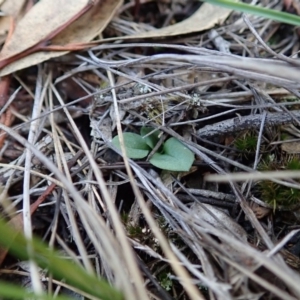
x,y
259,11
61,268
12,291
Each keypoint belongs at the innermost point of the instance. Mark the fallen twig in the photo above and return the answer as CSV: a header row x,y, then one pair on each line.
x,y
247,122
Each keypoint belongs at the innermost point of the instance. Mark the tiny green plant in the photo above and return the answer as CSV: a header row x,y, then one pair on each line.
x,y
165,281
171,156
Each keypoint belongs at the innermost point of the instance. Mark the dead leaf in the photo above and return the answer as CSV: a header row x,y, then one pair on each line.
x,y
11,9
48,16
103,130
91,78
219,219
287,4
291,147
42,19
206,17
229,140
90,24
112,115
260,211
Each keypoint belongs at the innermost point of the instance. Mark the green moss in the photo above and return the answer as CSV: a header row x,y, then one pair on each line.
x,y
293,164
276,194
134,231
246,143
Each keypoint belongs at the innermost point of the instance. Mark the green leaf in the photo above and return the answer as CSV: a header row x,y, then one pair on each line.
x,y
175,157
136,146
151,139
259,11
61,268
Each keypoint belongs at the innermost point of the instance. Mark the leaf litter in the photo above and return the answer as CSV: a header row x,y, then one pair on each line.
x,y
227,88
